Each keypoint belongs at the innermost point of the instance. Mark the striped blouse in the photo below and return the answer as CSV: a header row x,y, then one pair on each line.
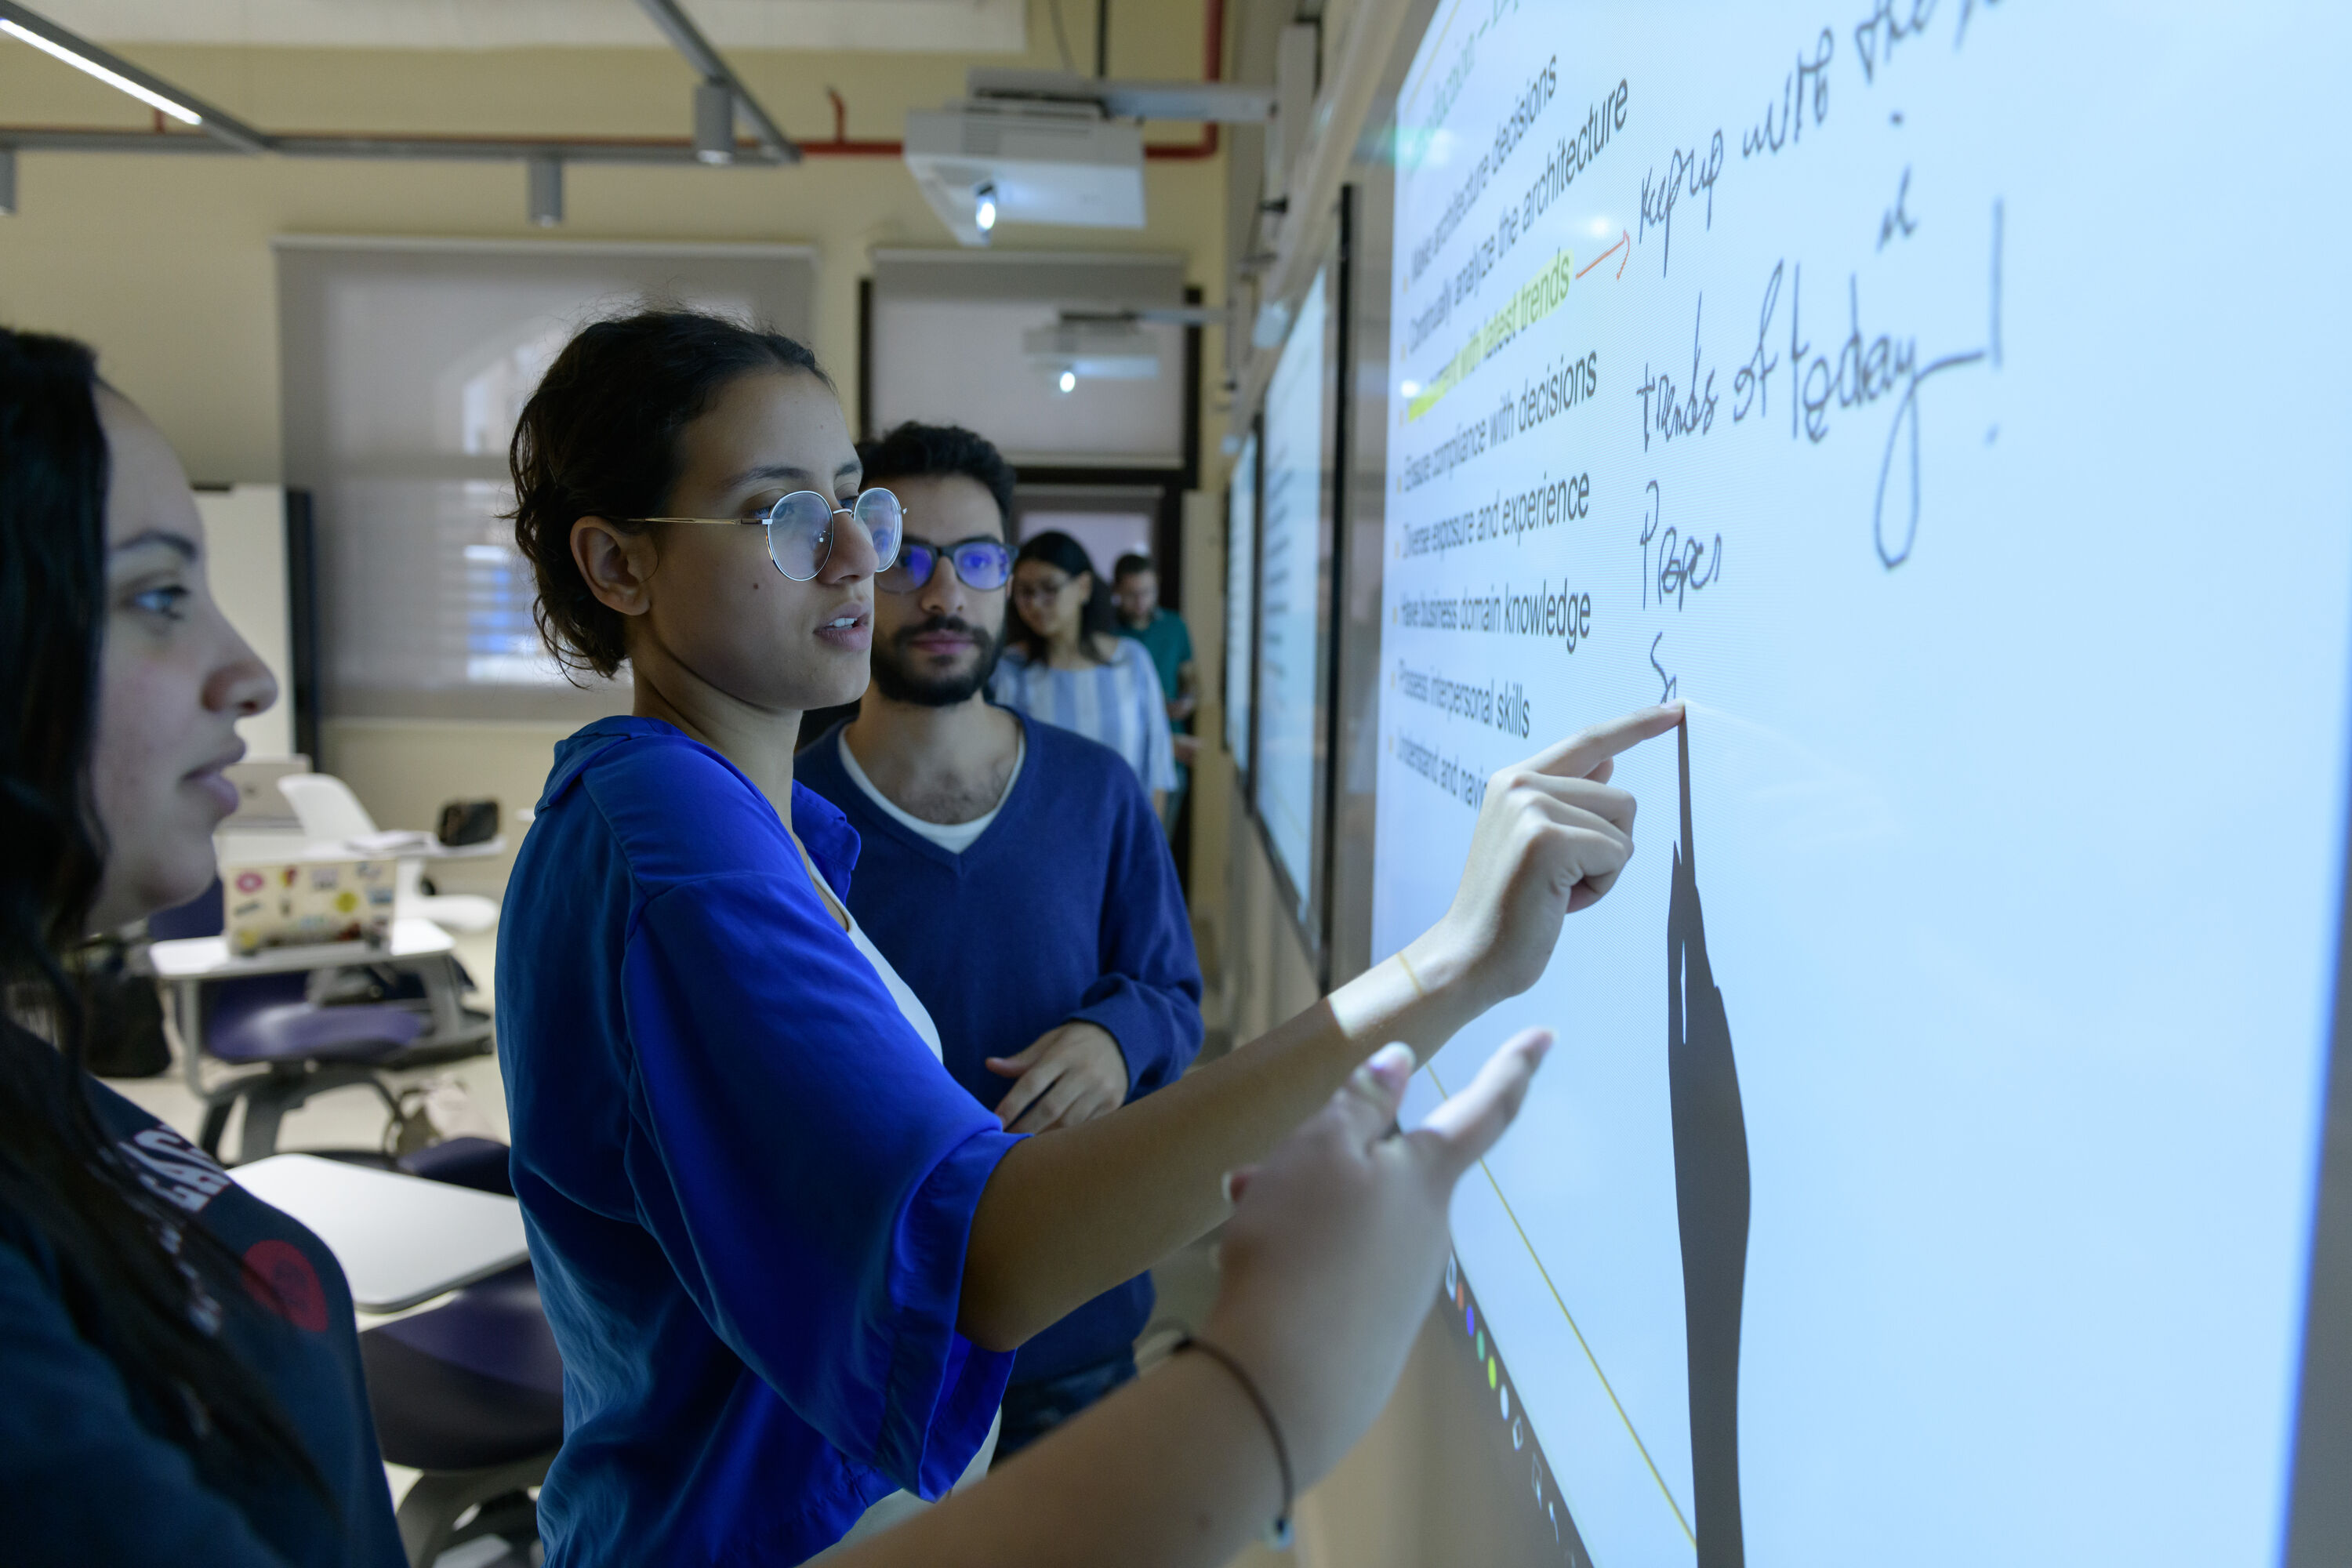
x,y
1118,704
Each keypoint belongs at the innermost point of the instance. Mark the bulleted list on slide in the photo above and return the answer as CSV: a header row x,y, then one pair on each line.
x,y
1924,1172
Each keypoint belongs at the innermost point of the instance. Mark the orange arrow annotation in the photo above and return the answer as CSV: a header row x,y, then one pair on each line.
x,y
1625,243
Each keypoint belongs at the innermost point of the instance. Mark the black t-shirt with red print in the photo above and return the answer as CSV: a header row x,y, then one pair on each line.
x,y
85,1478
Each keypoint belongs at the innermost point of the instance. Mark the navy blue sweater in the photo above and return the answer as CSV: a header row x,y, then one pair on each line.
x,y
1068,907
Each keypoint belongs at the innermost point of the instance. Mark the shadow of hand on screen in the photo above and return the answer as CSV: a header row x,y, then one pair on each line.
x,y
1710,1203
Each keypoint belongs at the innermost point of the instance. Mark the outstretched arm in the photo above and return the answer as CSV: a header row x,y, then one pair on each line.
x,y
1069,1214
1327,1269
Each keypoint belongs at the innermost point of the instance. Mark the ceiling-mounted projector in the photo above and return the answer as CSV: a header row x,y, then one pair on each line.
x,y
1105,348
1032,163
1049,147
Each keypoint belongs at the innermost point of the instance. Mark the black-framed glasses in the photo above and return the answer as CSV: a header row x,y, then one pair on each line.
x,y
983,563
800,528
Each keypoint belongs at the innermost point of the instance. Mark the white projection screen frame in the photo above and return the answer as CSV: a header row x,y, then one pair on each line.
x,y
1241,604
1297,439
1954,1122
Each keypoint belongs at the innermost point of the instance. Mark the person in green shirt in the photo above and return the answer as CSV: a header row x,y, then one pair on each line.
x,y
1135,584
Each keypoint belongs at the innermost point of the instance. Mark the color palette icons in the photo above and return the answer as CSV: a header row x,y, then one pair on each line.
x,y
1487,1361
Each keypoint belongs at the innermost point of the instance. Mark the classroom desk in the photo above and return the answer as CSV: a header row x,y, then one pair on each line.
x,y
401,1239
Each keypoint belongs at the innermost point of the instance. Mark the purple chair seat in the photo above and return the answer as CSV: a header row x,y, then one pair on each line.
x,y
295,1032
467,1161
471,1384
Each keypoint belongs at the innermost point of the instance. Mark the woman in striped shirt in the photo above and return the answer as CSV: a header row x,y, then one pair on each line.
x,y
1065,665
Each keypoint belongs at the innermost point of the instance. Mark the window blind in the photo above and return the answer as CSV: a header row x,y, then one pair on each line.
x,y
404,365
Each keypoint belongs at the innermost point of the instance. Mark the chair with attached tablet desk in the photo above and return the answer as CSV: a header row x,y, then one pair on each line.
x,y
469,1391
287,812
256,1012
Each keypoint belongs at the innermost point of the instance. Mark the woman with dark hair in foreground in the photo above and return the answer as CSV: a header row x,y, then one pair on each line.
x,y
179,1375
179,1368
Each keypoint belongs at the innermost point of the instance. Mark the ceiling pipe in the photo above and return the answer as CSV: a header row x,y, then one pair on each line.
x,y
688,39
631,150
32,28
841,146
1212,68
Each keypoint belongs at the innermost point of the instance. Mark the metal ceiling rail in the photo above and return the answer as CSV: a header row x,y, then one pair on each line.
x,y
42,33
225,134
640,151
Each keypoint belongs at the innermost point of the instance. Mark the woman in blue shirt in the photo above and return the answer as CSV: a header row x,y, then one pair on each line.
x,y
179,1367
785,1257
1065,664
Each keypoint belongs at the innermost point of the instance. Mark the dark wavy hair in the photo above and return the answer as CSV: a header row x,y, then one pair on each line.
x,y
1066,556
599,439
63,1187
914,451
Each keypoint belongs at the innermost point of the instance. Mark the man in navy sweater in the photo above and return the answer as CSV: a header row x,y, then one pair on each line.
x,y
1013,872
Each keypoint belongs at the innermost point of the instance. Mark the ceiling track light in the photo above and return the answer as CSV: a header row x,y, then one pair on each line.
x,y
670,16
984,211
546,191
714,122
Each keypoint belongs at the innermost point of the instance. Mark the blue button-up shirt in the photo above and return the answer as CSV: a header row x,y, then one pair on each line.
x,y
748,1183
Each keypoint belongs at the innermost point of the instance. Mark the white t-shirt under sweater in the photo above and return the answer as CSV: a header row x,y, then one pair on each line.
x,y
955,837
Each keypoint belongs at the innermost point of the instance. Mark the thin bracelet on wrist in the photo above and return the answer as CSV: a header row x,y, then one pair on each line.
x,y
1278,1532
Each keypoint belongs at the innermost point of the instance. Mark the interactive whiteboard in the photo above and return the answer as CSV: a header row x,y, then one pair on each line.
x,y
1941,398
1295,552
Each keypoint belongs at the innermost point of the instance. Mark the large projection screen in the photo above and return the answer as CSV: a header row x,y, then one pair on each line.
x,y
1937,398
